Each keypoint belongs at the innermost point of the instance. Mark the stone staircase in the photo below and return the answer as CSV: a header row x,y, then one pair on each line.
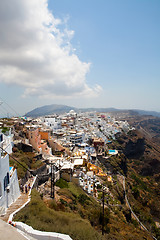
x,y
18,203
14,206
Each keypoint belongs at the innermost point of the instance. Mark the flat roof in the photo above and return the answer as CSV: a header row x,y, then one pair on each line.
x,y
78,161
67,166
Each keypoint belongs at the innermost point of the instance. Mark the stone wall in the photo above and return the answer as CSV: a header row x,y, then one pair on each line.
x,y
42,169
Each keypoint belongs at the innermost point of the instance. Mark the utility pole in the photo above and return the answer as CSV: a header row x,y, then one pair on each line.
x,y
103,211
52,180
70,172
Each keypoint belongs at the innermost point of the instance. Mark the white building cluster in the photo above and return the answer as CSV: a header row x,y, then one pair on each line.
x,y
76,132
72,128
74,136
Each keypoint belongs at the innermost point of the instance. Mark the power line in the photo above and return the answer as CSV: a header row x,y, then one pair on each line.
x,y
16,160
10,107
2,111
4,108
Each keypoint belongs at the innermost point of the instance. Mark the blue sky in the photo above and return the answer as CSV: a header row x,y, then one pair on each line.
x,y
111,56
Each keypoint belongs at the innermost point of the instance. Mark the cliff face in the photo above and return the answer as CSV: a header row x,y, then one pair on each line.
x,y
134,149
141,151
141,154
139,161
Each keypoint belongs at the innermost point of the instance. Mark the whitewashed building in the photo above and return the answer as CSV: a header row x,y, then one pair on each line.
x,y
9,186
52,122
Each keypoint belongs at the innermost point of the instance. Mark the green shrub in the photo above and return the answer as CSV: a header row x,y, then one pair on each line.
x,y
26,159
5,129
82,198
67,193
63,202
62,183
75,190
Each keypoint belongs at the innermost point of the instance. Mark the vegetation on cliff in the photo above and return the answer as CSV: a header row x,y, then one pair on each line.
x,y
27,160
139,161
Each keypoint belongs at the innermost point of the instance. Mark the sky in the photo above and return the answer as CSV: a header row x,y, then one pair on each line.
x,y
80,53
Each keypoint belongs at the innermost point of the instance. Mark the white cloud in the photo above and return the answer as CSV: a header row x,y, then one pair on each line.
x,y
37,55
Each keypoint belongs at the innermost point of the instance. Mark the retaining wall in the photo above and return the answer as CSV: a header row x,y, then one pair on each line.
x,y
40,235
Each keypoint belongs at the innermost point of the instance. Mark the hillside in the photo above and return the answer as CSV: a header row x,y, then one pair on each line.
x,y
139,161
80,216
59,109
49,110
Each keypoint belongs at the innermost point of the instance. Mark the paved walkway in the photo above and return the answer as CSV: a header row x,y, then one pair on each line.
x,y
8,232
23,198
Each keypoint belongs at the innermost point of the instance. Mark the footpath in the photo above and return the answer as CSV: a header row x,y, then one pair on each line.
x,y
24,231
8,232
23,198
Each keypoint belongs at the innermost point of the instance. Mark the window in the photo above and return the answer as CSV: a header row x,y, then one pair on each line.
x,y
7,177
5,183
1,137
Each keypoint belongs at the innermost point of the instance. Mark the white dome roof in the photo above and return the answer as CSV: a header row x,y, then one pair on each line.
x,y
72,111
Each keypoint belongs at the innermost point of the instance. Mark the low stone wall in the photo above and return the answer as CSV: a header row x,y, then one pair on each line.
x,y
24,147
66,176
42,169
41,179
40,235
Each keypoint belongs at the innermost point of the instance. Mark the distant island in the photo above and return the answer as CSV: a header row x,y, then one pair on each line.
x,y
59,109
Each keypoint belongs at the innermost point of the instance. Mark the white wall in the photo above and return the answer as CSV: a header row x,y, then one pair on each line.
x,y
8,142
14,191
40,235
51,122
10,192
4,168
